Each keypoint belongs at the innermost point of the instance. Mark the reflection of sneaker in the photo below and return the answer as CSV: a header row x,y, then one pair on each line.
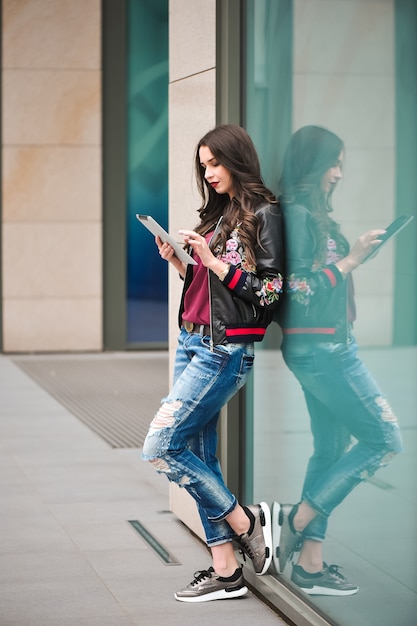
x,y
257,542
207,585
291,539
276,534
328,582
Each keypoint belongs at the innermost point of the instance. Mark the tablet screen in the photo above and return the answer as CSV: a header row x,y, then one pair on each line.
x,y
157,230
391,230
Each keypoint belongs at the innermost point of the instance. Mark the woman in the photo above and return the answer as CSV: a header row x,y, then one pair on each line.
x,y
342,398
227,303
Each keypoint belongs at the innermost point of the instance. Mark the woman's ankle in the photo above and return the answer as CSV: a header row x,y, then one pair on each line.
x,y
226,572
311,556
301,515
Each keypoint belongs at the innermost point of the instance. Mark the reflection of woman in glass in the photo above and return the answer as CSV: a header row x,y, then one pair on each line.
x,y
354,429
227,303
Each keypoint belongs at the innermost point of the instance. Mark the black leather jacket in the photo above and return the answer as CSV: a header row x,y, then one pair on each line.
x,y
242,305
315,304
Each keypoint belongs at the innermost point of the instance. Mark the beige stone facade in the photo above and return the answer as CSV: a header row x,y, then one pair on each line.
x,y
51,187
192,112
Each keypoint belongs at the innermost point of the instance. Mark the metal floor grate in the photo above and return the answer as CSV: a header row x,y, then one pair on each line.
x,y
166,557
116,395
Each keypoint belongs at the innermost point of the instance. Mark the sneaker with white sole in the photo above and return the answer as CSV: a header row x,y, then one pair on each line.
x,y
328,582
207,585
290,539
276,535
257,542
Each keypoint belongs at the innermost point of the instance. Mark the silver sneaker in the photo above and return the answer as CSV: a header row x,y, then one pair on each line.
x,y
276,535
207,585
258,544
328,582
290,539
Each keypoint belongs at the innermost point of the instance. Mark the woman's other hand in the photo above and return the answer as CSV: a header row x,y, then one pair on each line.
x,y
360,250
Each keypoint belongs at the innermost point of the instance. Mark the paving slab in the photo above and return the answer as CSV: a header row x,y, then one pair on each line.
x,y
68,554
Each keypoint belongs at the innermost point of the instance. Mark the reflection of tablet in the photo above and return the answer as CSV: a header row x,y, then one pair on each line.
x,y
391,230
157,230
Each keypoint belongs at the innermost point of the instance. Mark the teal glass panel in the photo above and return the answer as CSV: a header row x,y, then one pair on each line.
x,y
350,67
147,176
268,80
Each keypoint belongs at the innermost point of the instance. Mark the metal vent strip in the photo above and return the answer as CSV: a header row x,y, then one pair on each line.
x,y
164,554
115,395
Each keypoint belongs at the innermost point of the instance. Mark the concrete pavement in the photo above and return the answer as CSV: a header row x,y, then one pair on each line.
x,y
68,554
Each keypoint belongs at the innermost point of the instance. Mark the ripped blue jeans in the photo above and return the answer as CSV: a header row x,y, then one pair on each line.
x,y
182,438
354,429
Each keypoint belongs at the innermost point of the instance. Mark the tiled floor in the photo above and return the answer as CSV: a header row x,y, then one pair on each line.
x,y
68,556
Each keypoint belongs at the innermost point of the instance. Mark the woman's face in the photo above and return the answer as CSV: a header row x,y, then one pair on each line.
x,y
331,177
218,176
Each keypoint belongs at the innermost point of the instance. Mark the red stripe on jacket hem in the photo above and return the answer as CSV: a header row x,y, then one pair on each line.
x,y
231,332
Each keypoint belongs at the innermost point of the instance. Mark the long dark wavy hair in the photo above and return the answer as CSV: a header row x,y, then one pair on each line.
x,y
233,148
313,150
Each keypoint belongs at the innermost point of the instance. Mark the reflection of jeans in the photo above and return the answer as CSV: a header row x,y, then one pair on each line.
x,y
343,400
182,438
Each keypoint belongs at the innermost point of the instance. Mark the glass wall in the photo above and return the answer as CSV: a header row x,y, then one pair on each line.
x,y
349,66
147,177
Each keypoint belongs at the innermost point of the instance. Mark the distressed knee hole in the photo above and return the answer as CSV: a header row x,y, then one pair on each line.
x,y
160,465
387,414
366,475
387,458
165,417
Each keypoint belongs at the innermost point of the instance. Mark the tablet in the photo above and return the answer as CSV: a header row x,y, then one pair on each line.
x,y
157,230
391,230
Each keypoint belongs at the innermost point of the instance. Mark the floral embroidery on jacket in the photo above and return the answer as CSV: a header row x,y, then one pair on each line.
x,y
235,252
299,289
235,255
270,290
332,255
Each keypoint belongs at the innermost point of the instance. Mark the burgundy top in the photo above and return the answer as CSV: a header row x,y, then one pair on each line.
x,y
196,301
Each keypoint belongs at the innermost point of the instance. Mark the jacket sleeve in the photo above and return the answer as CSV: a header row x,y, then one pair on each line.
x,y
303,281
264,287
